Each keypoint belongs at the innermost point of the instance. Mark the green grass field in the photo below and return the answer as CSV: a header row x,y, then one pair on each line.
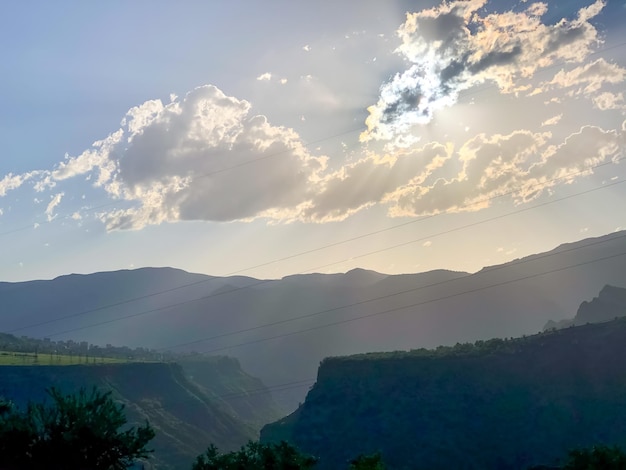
x,y
12,358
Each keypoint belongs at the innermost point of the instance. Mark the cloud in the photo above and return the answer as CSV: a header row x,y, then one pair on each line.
x,y
370,180
454,46
588,78
203,157
10,181
552,121
264,77
435,179
608,100
56,200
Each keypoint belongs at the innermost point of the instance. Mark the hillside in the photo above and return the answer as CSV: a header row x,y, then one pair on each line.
x,y
312,316
500,404
186,416
222,378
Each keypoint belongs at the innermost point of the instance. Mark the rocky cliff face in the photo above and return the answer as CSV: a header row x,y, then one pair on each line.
x,y
504,404
608,305
186,419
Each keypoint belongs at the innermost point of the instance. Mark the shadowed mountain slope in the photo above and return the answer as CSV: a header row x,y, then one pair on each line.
x,y
186,419
608,305
499,404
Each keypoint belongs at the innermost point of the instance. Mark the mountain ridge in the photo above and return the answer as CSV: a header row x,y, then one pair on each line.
x,y
295,322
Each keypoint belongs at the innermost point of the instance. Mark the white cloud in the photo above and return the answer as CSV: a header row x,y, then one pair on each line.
x,y
589,78
552,121
264,77
203,157
55,201
521,166
455,46
10,181
608,100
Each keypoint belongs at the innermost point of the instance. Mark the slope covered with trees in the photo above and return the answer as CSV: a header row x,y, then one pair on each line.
x,y
500,404
185,418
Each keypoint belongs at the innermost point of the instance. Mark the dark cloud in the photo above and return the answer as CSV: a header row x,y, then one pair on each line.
x,y
454,47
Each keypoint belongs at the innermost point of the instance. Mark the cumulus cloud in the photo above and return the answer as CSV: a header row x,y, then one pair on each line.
x,y
455,46
207,157
203,157
264,77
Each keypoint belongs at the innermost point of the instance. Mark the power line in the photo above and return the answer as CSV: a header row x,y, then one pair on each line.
x,y
351,239
146,312
395,294
417,304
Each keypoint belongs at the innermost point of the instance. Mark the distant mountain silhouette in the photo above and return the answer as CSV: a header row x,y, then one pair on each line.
x,y
608,305
366,310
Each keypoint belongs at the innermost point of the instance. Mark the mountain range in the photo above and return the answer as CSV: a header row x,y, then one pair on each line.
x,y
281,329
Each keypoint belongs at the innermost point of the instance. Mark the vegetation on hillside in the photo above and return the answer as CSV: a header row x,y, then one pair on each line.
x,y
531,399
74,432
255,456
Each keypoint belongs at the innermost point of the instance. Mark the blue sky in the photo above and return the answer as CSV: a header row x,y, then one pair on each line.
x,y
280,138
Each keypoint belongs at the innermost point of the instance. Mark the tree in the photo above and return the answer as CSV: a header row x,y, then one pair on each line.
x,y
255,456
368,462
597,458
75,432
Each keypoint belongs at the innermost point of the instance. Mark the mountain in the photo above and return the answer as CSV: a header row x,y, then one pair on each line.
x,y
281,329
608,305
498,404
186,419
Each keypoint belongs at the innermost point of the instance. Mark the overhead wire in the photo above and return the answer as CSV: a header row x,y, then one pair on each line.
x,y
154,310
348,240
413,305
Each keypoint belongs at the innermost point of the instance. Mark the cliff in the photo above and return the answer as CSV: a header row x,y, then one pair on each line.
x,y
608,305
500,404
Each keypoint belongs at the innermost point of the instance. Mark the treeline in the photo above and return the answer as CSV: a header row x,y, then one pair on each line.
x,y
477,348
89,431
33,346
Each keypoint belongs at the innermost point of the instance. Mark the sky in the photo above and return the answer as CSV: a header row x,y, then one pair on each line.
x,y
276,138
